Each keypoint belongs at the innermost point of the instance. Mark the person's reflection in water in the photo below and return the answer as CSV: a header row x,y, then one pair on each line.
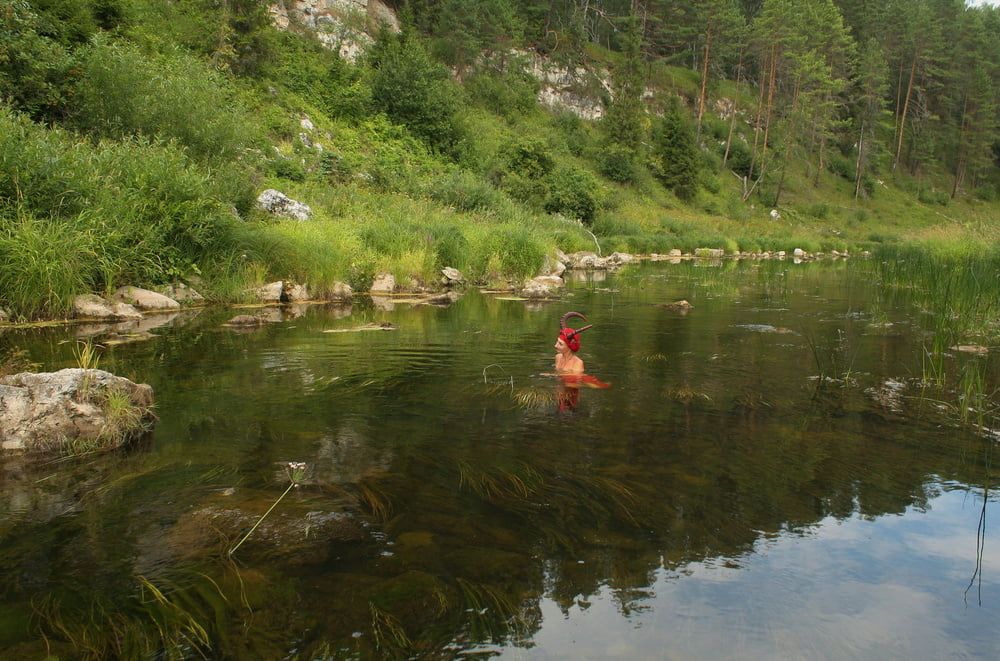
x,y
567,396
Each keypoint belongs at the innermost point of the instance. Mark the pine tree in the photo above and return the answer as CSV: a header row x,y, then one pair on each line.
x,y
675,153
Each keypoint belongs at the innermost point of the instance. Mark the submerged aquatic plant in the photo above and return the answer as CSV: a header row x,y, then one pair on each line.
x,y
491,614
389,634
163,621
296,472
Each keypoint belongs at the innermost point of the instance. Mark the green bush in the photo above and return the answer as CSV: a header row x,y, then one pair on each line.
x,y
415,91
740,159
617,163
842,167
931,196
507,94
122,92
35,71
462,190
572,193
144,214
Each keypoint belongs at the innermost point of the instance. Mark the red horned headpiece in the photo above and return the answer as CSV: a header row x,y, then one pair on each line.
x,y
571,336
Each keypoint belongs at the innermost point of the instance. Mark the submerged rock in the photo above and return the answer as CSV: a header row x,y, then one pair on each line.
x,y
766,328
47,411
680,306
542,286
246,321
977,349
889,395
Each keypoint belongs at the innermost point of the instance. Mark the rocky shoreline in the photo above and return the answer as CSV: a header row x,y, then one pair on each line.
x,y
134,305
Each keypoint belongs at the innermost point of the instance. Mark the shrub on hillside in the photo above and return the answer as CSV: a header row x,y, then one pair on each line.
x,y
122,92
143,211
617,163
525,165
572,193
740,160
413,90
508,94
34,70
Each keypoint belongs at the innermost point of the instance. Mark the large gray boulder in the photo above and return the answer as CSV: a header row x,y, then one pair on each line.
x,y
182,293
277,203
71,409
272,292
91,306
385,283
144,299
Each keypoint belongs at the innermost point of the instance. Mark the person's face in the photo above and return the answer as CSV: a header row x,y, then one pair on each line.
x,y
561,345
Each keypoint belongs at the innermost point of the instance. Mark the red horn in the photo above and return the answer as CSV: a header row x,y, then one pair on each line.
x,y
568,315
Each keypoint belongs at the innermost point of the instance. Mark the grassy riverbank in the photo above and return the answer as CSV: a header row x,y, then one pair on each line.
x,y
132,155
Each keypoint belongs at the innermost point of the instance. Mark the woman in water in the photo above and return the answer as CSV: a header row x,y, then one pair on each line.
x,y
568,344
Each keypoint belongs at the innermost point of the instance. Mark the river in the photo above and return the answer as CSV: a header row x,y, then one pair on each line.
x,y
764,478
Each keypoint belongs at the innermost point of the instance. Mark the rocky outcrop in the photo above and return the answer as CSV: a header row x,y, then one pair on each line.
x,y
277,203
146,300
41,412
91,306
344,26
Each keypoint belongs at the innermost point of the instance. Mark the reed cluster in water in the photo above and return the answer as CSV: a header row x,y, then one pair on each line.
x,y
956,289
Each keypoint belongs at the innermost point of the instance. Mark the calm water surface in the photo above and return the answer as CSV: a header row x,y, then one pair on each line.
x,y
749,487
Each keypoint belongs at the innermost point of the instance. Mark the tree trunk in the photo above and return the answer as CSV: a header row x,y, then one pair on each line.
x,y
732,119
704,78
756,124
770,106
906,107
860,162
960,164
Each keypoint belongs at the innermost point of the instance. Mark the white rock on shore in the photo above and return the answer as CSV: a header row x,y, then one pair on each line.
x,y
385,283
144,299
91,306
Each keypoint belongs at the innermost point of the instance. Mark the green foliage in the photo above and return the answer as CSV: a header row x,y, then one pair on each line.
x,y
102,216
675,154
507,94
572,193
414,90
43,264
123,92
321,77
34,71
617,163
